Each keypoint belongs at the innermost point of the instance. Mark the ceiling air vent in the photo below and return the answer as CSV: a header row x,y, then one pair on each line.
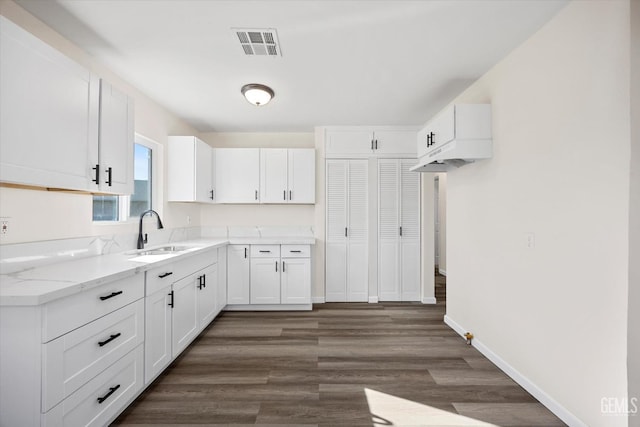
x,y
258,41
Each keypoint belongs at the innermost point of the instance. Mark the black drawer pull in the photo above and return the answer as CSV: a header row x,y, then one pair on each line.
x,y
162,276
295,252
109,174
108,340
113,294
171,295
265,252
106,396
245,252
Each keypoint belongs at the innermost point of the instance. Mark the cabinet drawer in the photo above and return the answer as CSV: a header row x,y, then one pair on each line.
x,y
265,251
159,277
101,399
66,314
296,251
75,358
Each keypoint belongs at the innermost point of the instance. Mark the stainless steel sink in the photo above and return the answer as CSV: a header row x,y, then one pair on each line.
x,y
163,250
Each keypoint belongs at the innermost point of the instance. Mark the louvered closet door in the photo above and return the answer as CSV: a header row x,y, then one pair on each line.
x,y
357,231
336,244
410,239
389,230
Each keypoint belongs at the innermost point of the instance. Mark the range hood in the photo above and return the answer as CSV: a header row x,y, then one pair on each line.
x,y
459,135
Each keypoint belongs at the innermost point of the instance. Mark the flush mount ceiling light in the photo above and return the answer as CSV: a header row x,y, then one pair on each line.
x,y
257,94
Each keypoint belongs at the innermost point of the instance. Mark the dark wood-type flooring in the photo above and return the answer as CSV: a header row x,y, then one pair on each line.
x,y
348,364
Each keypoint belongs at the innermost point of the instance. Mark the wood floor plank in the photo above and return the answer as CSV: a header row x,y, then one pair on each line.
x,y
341,364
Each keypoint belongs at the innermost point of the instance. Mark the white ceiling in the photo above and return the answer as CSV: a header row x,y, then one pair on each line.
x,y
343,62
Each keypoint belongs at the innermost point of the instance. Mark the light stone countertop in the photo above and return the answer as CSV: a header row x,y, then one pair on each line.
x,y
39,285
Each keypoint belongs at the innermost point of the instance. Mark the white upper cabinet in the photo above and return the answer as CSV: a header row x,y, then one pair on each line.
x,y
462,122
190,170
361,142
287,175
60,127
48,114
116,137
237,175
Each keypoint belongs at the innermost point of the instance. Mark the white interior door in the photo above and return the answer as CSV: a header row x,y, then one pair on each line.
x,y
357,231
389,230
336,230
410,238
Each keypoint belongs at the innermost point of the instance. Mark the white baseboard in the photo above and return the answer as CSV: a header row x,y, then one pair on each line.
x,y
442,271
551,404
429,300
373,300
317,300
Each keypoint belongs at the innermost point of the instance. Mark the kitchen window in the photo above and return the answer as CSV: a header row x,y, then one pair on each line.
x,y
121,208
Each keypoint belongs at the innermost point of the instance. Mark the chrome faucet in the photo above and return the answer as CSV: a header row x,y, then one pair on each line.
x,y
141,240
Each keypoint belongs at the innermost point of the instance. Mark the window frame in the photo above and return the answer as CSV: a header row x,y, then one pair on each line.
x,y
157,202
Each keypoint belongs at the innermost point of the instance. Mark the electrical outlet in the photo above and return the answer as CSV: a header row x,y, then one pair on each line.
x,y
4,226
530,240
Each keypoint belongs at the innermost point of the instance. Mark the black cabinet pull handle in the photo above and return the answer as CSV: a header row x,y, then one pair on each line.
x,y
97,180
283,266
284,194
245,252
265,252
211,194
109,172
295,252
108,340
113,294
372,144
256,194
204,280
376,144
106,396
289,195
276,266
401,231
170,303
163,275
345,232
199,282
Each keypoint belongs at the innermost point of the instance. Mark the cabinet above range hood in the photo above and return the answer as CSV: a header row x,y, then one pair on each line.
x,y
460,134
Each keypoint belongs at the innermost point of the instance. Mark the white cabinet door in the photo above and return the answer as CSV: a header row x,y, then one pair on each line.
x,y
388,230
238,274
265,280
48,114
185,313
190,170
237,175
115,140
273,175
222,280
157,337
302,175
296,281
343,142
398,231
347,230
207,284
395,142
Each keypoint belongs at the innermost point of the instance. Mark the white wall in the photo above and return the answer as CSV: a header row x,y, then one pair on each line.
x,y
633,358
442,215
556,313
41,215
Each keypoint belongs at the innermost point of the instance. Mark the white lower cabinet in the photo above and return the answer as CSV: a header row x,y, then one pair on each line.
x,y
182,298
100,400
239,267
77,360
269,276
295,281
